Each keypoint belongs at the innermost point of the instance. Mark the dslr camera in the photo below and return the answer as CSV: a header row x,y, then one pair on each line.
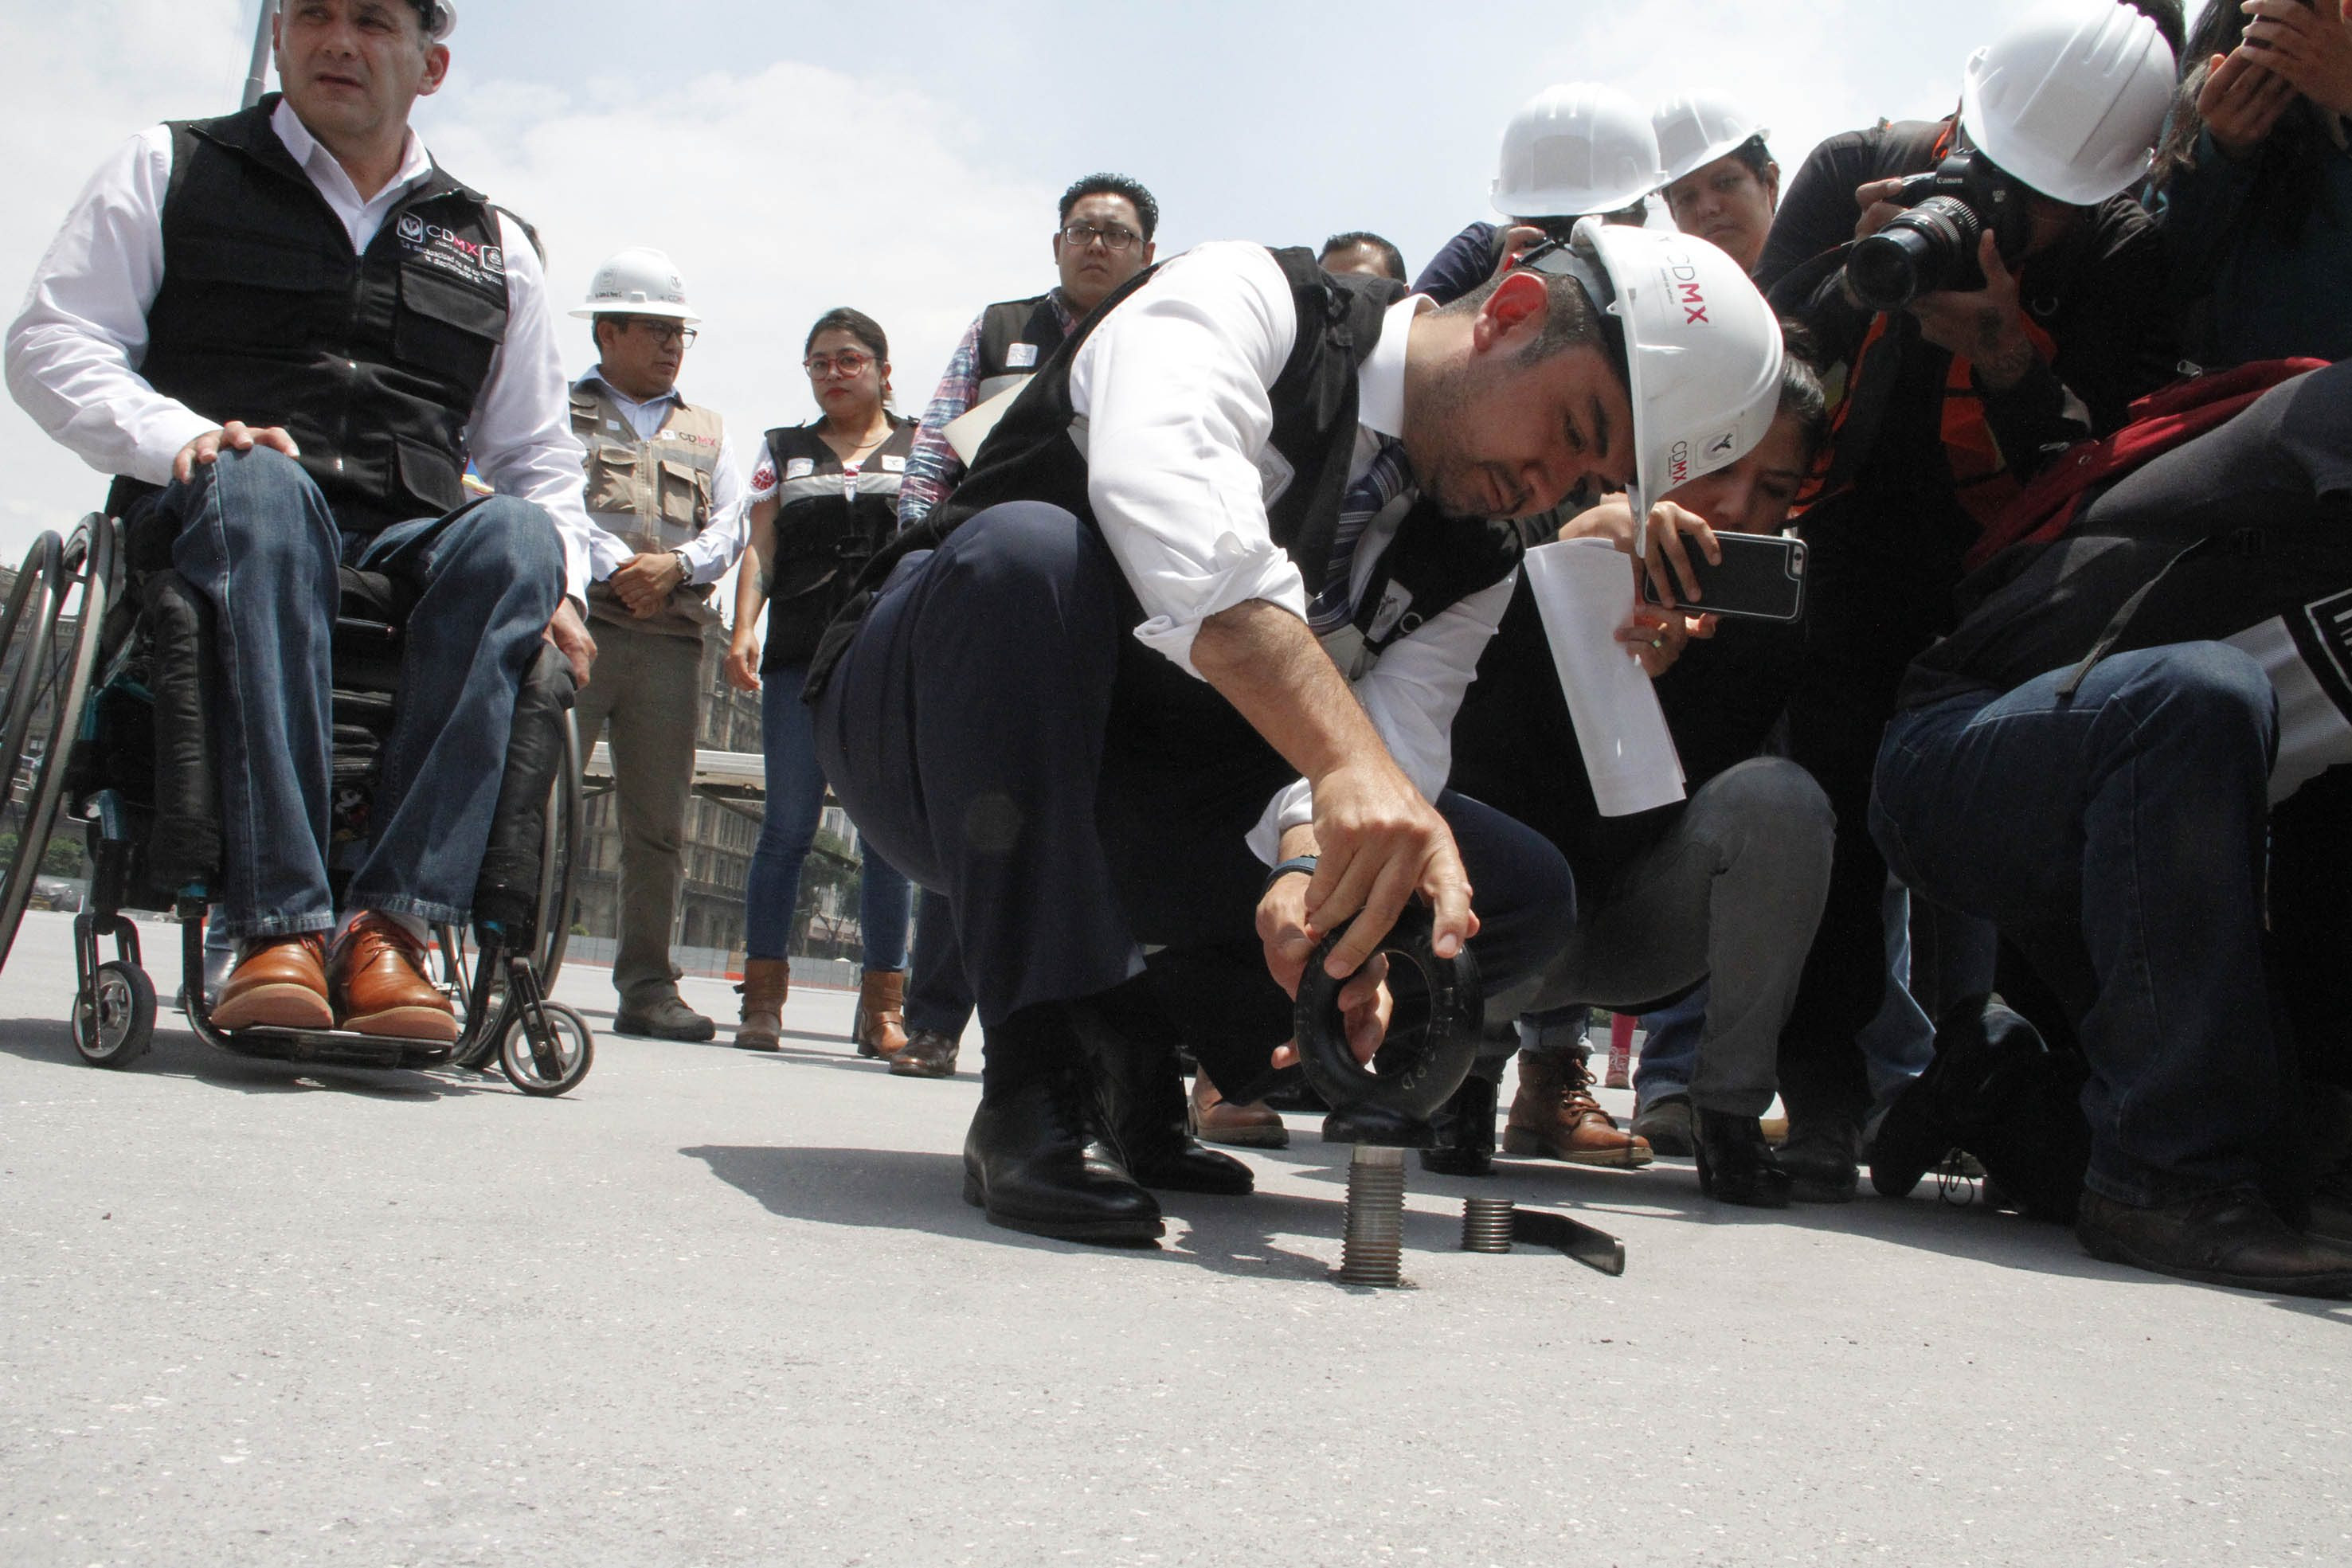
x,y
1931,246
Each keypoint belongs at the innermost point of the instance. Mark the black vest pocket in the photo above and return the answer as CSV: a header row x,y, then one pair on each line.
x,y
444,328
431,476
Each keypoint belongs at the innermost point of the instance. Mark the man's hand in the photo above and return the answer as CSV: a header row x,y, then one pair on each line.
x,y
237,436
1382,844
1518,240
1876,200
1665,552
571,638
742,667
1982,326
2311,51
2243,98
643,581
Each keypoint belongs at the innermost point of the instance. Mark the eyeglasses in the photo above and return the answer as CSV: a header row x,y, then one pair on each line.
x,y
662,332
1115,237
847,362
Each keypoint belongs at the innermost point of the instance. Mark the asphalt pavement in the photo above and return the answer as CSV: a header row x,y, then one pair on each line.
x,y
720,1307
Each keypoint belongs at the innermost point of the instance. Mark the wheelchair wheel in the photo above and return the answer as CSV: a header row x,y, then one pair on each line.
x,y
115,1020
48,648
567,830
559,1065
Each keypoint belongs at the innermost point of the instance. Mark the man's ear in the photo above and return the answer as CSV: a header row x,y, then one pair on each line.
x,y
436,70
1150,250
1512,314
1773,184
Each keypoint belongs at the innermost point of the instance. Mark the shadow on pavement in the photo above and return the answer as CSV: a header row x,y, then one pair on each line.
x,y
898,1189
177,1054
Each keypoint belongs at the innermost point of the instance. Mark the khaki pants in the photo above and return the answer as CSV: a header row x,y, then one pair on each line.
x,y
647,686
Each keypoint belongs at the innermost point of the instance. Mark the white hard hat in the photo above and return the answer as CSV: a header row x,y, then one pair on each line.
x,y
1575,150
2071,100
1695,128
637,282
1702,350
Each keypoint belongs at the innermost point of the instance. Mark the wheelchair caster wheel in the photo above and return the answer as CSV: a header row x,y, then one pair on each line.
x,y
553,1066
114,1021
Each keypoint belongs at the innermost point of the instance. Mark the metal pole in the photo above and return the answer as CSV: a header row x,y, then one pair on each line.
x,y
256,79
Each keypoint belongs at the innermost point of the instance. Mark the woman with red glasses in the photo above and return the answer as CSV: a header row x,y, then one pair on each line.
x,y
825,496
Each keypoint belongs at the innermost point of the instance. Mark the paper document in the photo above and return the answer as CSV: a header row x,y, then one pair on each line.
x,y
967,430
1584,588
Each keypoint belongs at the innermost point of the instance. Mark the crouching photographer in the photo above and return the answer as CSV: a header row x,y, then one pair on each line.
x,y
1997,291
2131,755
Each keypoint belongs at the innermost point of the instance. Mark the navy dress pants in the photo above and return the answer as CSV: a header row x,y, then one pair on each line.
x,y
1000,735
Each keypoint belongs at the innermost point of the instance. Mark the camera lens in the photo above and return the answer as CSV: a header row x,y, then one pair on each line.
x,y
1931,246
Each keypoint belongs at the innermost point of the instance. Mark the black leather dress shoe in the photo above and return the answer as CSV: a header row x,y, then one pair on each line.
x,y
1464,1125
1735,1164
667,1019
2230,1237
1139,1090
1821,1158
1026,1163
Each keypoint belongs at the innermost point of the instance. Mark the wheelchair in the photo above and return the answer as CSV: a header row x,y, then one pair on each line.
x,y
103,671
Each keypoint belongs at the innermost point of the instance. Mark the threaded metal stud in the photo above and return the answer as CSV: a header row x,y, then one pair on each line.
x,y
1486,1224
1372,1251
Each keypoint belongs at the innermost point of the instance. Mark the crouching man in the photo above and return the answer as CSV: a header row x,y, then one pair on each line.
x,y
285,332
1106,684
2091,760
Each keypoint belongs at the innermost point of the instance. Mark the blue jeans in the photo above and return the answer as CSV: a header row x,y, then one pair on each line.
x,y
255,538
2137,813
771,891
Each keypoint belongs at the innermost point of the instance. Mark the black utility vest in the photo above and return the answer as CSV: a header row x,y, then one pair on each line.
x,y
1434,562
827,527
371,362
1016,337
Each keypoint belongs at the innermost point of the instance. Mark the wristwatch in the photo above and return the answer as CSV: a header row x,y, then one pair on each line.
x,y
1304,865
684,569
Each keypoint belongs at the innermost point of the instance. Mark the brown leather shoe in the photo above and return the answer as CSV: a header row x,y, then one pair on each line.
x,y
766,983
931,1054
380,987
279,982
881,1027
1217,1120
1555,1115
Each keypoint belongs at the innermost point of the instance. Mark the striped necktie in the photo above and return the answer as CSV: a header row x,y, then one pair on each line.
x,y
1381,482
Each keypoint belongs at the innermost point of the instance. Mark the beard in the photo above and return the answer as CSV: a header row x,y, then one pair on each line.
x,y
1440,439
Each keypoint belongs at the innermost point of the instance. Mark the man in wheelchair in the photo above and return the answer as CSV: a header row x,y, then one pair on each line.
x,y
285,332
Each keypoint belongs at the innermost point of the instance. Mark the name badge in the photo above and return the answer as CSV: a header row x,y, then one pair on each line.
x,y
1020,357
893,464
799,467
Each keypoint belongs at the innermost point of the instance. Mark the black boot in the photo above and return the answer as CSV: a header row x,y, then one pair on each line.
x,y
1735,1164
1464,1125
1139,1090
1822,1157
1025,1162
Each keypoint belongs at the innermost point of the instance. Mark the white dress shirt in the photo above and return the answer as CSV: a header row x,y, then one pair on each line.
x,y
1171,391
710,552
73,353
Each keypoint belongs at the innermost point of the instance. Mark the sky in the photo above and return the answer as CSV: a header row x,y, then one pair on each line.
x,y
905,159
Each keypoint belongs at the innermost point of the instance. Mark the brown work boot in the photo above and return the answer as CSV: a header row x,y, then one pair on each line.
x,y
279,982
1217,1120
881,1013
377,971
766,982
1555,1115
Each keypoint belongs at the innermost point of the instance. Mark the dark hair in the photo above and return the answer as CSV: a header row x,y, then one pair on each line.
x,y
1570,319
1391,258
1147,211
2289,166
857,323
1755,154
2169,18
1801,397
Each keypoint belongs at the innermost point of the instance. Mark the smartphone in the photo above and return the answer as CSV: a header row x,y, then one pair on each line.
x,y
1762,577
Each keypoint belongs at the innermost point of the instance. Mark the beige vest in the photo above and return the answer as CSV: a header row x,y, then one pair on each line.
x,y
654,495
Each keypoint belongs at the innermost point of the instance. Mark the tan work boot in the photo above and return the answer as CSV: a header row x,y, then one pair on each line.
x,y
1555,1115
881,1027
1217,1120
766,982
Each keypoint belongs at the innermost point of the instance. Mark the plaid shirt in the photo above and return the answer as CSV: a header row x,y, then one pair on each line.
x,y
932,468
